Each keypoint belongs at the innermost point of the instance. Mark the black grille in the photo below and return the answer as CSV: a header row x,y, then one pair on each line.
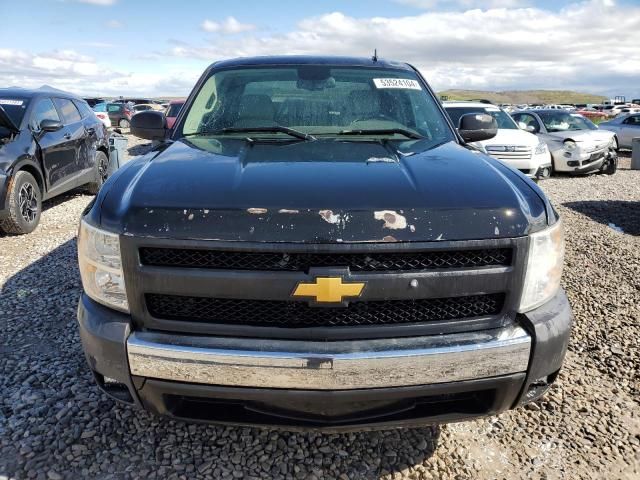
x,y
270,313
357,262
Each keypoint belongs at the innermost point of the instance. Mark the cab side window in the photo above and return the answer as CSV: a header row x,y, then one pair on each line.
x,y
68,110
44,110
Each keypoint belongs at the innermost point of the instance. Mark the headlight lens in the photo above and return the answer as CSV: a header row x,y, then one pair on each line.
x,y
570,145
540,148
544,267
101,267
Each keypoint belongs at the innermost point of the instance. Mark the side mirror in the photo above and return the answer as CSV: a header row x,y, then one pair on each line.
x,y
50,125
150,125
531,128
475,127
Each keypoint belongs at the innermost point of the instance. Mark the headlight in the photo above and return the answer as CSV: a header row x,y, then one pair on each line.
x,y
101,267
544,267
540,148
570,145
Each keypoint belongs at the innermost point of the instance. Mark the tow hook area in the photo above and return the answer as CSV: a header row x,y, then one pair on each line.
x,y
538,387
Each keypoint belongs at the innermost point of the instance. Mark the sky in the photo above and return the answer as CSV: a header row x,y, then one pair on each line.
x,y
160,47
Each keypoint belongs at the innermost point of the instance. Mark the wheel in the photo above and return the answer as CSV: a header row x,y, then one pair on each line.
x,y
123,123
611,165
25,205
102,163
544,173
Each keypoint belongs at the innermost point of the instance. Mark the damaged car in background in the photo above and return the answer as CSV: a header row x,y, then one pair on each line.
x,y
575,143
517,148
50,143
314,245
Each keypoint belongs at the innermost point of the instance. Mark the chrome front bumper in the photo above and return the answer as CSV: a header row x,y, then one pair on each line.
x,y
342,365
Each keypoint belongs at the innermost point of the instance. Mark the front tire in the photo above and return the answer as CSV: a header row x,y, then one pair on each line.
x,y
102,164
545,173
611,166
25,205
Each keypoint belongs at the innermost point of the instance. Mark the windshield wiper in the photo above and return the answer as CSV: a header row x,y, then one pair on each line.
x,y
384,131
272,129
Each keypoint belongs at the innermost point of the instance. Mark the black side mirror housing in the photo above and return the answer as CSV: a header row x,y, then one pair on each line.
x,y
150,125
50,125
475,127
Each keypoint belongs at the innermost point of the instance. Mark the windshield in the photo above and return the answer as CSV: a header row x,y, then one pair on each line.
x,y
316,100
503,118
563,121
15,108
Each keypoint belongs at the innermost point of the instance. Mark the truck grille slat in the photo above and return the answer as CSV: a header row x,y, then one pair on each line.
x,y
270,313
357,262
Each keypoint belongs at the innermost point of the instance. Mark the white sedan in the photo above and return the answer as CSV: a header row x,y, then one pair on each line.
x,y
100,109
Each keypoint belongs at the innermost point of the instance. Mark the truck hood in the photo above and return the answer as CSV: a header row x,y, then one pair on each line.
x,y
320,191
6,122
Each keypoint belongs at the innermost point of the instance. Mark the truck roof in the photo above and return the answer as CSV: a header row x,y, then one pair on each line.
x,y
311,60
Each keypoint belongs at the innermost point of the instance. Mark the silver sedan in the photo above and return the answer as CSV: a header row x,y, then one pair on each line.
x,y
626,127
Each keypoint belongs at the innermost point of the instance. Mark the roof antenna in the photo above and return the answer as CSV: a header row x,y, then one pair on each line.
x,y
375,55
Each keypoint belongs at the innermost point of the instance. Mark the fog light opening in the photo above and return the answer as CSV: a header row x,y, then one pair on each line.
x,y
114,388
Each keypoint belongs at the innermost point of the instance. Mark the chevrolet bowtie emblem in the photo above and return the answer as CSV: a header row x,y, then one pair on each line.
x,y
328,289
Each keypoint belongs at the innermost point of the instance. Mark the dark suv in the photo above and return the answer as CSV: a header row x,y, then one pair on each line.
x,y
50,142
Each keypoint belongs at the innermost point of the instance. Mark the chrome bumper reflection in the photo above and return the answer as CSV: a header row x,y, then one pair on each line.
x,y
329,365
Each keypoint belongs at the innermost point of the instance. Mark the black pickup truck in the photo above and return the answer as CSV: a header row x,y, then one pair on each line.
x,y
314,245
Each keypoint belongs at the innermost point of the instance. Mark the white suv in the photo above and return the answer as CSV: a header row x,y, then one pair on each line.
x,y
518,149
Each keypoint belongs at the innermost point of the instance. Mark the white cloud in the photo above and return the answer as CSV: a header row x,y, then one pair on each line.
x,y
81,74
113,24
466,4
230,26
589,45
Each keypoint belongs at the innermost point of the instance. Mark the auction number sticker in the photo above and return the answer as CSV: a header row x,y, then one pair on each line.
x,y
396,83
8,101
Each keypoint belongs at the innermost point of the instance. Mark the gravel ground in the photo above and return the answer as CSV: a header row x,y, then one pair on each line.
x,y
54,423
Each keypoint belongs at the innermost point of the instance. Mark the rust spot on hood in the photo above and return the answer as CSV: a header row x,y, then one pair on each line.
x,y
392,220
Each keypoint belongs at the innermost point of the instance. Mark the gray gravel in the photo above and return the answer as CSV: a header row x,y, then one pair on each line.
x,y
55,424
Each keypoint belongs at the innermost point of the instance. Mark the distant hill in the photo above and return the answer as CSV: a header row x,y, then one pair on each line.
x,y
525,96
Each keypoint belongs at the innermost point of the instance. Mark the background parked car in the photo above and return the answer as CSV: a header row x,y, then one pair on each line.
x,y
625,127
576,144
515,147
119,114
100,109
592,113
93,101
134,101
172,111
50,142
143,107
